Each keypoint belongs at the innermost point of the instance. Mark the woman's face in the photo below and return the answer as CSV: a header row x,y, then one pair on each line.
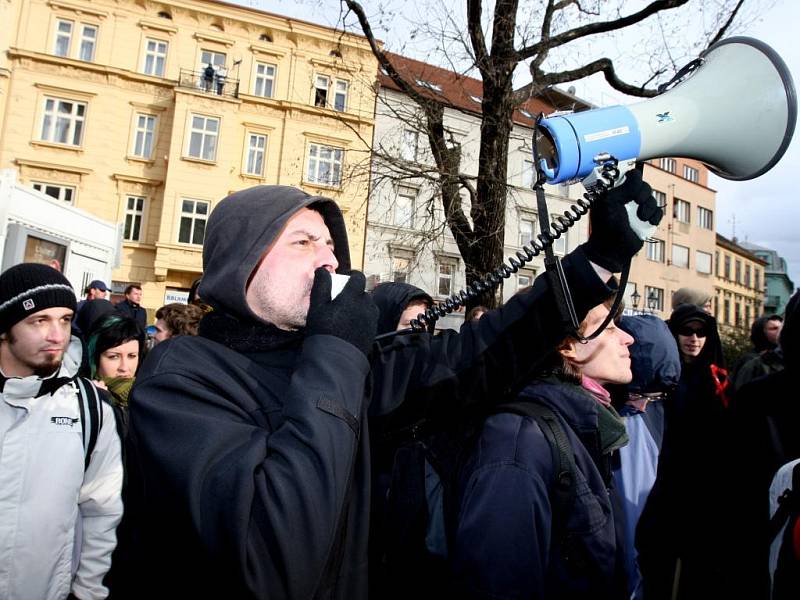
x,y
691,339
606,358
120,361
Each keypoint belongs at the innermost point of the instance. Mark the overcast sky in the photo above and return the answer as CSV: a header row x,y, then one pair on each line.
x,y
765,210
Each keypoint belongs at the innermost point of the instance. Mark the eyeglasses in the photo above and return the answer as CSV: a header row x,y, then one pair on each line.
x,y
690,331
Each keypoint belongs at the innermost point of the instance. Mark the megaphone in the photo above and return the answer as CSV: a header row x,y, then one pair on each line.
x,y
735,112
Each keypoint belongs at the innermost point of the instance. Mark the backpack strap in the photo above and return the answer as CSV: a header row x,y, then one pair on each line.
x,y
563,490
91,409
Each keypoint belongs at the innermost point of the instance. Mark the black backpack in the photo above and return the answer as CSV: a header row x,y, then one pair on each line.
x,y
91,411
421,513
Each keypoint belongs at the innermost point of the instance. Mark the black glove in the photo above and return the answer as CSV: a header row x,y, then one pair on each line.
x,y
352,316
612,241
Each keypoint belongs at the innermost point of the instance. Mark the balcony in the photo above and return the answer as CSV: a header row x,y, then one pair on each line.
x,y
215,85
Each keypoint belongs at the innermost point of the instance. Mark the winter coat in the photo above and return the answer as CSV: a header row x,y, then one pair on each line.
x,y
505,545
57,521
134,311
392,298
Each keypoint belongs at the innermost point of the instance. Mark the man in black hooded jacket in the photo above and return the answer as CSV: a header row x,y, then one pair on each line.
x,y
249,444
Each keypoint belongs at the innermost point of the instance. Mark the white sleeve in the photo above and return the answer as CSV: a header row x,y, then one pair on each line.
x,y
100,511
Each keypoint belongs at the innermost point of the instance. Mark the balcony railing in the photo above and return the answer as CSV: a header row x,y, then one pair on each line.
x,y
209,83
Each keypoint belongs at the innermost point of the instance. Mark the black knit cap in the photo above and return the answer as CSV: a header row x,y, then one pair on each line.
x,y
28,288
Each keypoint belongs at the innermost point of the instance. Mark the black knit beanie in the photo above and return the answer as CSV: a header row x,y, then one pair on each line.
x,y
28,288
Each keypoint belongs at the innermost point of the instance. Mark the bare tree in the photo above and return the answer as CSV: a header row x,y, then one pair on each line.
x,y
515,36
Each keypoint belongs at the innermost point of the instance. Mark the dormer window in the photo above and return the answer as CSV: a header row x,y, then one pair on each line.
x,y
216,27
525,113
476,99
429,86
335,53
265,37
164,15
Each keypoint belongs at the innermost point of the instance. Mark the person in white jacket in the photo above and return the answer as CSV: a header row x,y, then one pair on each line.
x,y
58,516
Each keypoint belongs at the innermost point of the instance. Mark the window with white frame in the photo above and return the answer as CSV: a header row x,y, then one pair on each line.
x,y
668,164
410,149
446,271
256,148
155,57
340,95
324,165
88,42
703,262
217,62
404,207
525,279
65,193
400,267
63,39
264,82
705,218
560,245
680,256
654,297
203,135
527,230
62,121
144,135
322,84
528,174
655,250
134,213
194,214
660,198
681,210
691,173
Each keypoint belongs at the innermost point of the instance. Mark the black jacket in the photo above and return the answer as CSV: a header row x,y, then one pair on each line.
x,y
128,309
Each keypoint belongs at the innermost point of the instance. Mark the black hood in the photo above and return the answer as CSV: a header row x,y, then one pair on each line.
x,y
655,360
392,299
712,349
790,334
758,337
243,227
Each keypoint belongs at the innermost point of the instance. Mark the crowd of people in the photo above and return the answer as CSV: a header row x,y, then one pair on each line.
x,y
267,446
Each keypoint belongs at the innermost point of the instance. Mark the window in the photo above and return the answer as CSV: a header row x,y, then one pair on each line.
x,y
410,148
400,269
661,198
429,86
528,174
527,229
691,173
703,262
668,164
757,275
726,313
560,245
727,267
256,147
63,38
324,165
747,314
445,278
63,121
705,218
655,250
716,263
203,137
134,213
737,314
654,297
680,210
321,85
525,279
217,62
264,80
143,141
155,57
404,207
194,214
680,256
747,275
65,193
88,42
738,271
340,97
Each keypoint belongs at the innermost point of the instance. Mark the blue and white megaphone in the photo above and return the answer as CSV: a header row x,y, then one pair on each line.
x,y
735,112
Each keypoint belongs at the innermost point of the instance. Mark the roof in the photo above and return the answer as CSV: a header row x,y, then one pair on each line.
x,y
466,93
734,247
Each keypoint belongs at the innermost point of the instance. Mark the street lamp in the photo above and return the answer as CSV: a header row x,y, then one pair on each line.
x,y
652,301
635,296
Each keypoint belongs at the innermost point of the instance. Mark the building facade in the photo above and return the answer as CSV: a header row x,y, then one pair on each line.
x,y
681,251
779,287
738,285
407,237
146,114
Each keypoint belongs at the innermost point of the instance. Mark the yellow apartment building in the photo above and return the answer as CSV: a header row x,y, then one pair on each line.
x,y
682,252
738,286
148,113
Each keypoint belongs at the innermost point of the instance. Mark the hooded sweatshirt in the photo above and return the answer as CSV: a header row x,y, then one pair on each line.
x,y
249,445
392,298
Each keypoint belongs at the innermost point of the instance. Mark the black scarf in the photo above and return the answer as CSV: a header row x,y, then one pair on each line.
x,y
246,335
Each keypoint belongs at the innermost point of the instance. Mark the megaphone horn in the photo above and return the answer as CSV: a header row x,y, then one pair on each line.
x,y
736,113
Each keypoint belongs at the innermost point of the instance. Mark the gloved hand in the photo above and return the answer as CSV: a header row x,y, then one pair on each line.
x,y
352,316
614,239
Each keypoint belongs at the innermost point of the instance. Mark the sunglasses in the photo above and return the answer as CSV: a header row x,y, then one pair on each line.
x,y
689,331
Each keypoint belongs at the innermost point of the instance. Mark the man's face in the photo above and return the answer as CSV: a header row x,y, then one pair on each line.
x,y
162,331
412,310
772,329
280,287
135,295
36,345
606,358
96,294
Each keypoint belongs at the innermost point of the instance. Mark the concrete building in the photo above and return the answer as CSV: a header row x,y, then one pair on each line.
x,y
779,287
738,285
682,251
147,113
407,238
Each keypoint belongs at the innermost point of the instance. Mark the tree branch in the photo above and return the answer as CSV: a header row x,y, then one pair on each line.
x,y
474,9
604,65
727,25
